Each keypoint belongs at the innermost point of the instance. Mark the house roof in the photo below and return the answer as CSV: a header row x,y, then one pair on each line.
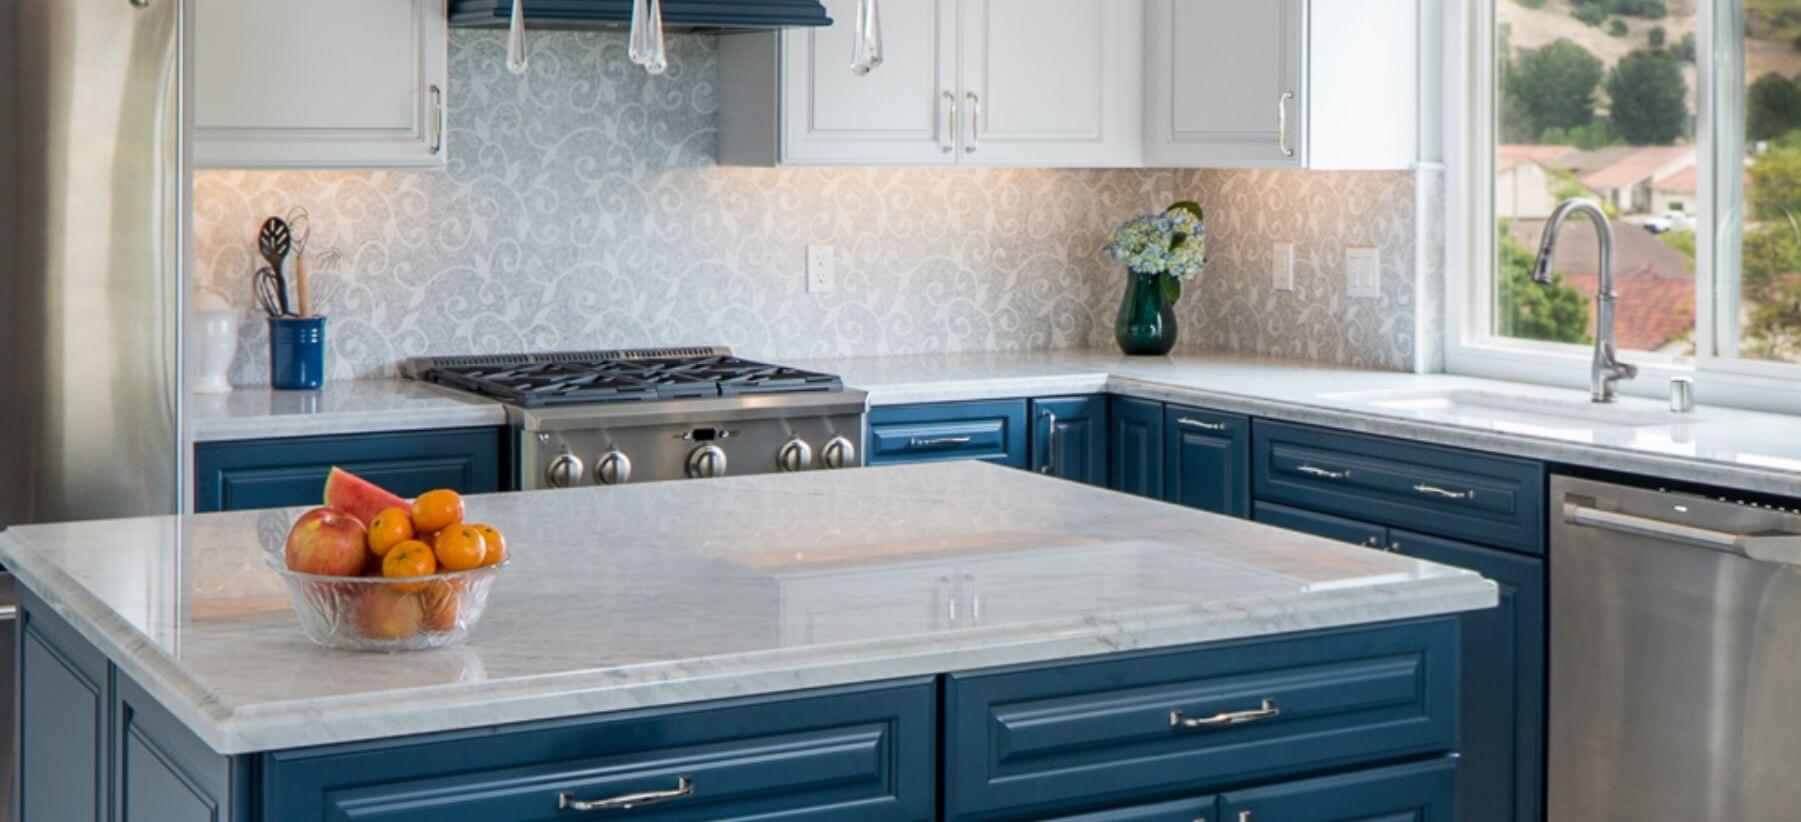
x,y
1652,310
1509,157
1630,166
1682,182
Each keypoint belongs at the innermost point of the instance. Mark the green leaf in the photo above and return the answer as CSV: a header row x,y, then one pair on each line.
x,y
1191,207
1172,287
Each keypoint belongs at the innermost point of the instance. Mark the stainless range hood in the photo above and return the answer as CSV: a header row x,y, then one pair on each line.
x,y
678,15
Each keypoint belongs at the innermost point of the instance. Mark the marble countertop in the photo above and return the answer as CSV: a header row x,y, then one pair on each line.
x,y
341,407
677,592
1746,450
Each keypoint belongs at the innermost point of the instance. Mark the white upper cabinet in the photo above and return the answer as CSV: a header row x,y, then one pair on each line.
x,y
1052,82
1327,84
963,82
319,83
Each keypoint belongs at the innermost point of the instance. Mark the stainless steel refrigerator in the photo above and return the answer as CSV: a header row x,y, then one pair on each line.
x,y
93,226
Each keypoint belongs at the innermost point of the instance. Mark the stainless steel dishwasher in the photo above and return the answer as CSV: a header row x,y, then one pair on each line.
x,y
1675,656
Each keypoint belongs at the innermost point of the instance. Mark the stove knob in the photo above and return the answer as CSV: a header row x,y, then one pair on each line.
x,y
840,453
614,468
797,455
565,471
706,461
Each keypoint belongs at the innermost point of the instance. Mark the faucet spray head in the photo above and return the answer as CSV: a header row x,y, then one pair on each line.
x,y
1541,265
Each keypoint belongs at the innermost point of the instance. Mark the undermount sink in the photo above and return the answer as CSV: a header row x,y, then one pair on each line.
x,y
1526,409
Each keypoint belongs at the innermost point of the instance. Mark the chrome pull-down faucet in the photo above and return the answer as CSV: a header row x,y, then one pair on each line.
x,y
1606,369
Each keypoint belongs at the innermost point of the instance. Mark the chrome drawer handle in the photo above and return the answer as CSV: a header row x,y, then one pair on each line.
x,y
1202,424
1282,124
1225,718
1323,473
1442,493
950,105
934,442
684,787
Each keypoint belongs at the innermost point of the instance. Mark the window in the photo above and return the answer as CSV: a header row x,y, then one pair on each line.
x,y
1683,119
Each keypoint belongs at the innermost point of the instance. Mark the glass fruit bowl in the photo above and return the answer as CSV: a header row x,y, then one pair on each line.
x,y
388,614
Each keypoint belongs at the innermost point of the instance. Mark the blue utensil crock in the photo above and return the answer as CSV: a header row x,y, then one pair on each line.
x,y
296,353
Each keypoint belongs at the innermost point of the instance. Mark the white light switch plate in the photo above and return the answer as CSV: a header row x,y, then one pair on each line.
x,y
1282,266
1363,272
820,269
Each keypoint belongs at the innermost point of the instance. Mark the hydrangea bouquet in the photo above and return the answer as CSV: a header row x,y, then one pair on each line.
x,y
1161,250
1170,246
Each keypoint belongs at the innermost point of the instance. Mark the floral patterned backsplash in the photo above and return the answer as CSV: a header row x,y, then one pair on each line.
x,y
582,209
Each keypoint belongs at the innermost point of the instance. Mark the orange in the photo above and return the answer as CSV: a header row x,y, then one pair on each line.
x,y
459,548
409,559
389,528
441,606
437,510
497,544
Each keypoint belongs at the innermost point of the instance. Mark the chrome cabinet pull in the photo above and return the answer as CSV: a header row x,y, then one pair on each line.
x,y
866,49
1050,444
1202,424
437,114
684,787
934,442
1323,473
1442,493
1225,718
1245,816
517,63
975,123
950,103
1282,124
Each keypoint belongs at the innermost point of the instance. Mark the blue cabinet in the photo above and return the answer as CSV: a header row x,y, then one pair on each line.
x,y
1207,460
991,430
1135,461
1041,739
245,474
1418,791
1069,438
1502,670
63,733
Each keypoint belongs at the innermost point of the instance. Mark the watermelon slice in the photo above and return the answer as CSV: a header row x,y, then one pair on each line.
x,y
358,497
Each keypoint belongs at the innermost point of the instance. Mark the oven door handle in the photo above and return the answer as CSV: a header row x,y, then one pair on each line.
x,y
1765,546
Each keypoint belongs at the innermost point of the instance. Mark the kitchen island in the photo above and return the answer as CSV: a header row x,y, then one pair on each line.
x,y
951,640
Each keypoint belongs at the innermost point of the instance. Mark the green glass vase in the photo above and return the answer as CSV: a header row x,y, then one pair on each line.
x,y
1147,319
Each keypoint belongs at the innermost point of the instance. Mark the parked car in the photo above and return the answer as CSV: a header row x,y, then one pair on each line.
x,y
1669,221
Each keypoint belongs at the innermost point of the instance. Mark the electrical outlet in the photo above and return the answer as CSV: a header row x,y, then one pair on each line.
x,y
1363,272
1282,266
820,269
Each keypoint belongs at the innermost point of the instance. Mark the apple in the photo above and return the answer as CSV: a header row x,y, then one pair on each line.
x,y
327,542
441,605
386,613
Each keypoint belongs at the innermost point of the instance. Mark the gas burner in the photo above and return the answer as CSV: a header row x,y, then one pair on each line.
x,y
551,383
538,380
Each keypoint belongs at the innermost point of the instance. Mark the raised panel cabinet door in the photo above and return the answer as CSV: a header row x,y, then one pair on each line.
x,y
1135,447
1069,438
902,113
62,728
1225,83
1051,82
1415,792
1207,460
1502,705
319,84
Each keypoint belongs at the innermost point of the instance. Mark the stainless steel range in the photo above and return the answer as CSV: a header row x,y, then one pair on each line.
x,y
612,417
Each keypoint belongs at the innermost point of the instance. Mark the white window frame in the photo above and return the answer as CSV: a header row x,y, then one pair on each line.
x,y
1469,125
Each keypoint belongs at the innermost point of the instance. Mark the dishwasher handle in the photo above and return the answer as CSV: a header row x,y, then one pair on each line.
x,y
1768,546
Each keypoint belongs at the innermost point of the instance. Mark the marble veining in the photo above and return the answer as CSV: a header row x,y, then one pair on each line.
x,y
677,592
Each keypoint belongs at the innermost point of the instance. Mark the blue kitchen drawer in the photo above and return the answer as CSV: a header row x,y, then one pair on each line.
x,y
1479,498
994,431
864,752
246,474
1023,742
1415,792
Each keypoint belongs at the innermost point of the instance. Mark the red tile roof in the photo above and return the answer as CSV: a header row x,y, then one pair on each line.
x,y
1634,166
1651,311
1682,181
1507,157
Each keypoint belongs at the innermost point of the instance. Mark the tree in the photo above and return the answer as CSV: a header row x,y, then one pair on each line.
x,y
1617,28
1650,9
1555,312
1588,138
1650,101
1555,86
1591,12
1773,107
1685,49
1657,35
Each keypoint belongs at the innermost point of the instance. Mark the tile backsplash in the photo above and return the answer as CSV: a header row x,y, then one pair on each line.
x,y
582,209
